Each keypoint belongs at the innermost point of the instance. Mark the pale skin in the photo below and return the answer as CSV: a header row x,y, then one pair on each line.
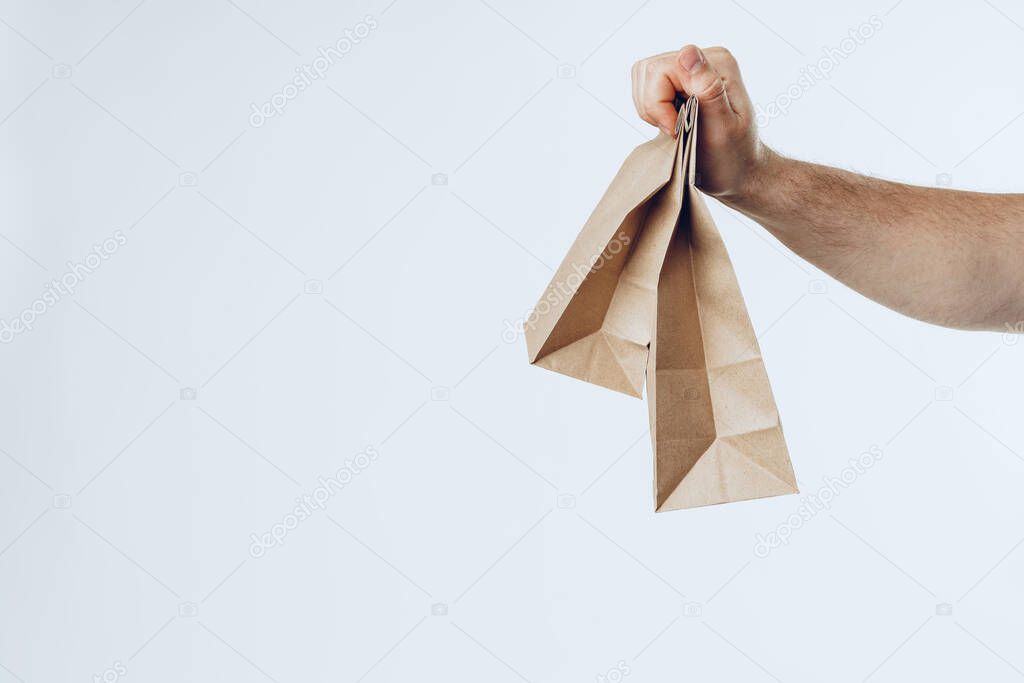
x,y
943,256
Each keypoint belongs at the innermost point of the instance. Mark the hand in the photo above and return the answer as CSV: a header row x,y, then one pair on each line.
x,y
730,156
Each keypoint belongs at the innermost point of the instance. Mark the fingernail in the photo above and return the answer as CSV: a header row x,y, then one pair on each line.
x,y
690,58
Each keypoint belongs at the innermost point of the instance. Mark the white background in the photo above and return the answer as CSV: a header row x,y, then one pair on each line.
x,y
505,532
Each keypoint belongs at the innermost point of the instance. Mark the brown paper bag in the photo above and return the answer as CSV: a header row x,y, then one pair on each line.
x,y
647,291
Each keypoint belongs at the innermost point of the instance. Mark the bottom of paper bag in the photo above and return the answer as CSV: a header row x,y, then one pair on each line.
x,y
730,470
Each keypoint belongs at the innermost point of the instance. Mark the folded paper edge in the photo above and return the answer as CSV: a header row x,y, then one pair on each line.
x,y
538,332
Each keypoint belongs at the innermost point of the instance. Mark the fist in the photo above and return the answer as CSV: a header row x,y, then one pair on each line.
x,y
729,152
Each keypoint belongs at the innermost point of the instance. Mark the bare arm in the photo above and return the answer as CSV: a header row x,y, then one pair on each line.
x,y
944,256
947,257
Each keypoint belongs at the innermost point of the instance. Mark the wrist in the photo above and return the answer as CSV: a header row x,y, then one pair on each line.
x,y
758,183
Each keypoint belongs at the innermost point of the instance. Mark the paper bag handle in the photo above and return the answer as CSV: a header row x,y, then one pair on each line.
x,y
687,113
686,134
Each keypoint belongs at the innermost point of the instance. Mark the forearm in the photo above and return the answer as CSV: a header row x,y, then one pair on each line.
x,y
948,257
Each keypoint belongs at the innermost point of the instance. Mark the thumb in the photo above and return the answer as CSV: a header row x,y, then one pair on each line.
x,y
698,77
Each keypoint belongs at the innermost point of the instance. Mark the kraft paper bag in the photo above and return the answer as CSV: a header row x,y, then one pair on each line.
x,y
647,292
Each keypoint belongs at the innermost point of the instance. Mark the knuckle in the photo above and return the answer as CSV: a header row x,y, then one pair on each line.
x,y
720,51
722,55
712,89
